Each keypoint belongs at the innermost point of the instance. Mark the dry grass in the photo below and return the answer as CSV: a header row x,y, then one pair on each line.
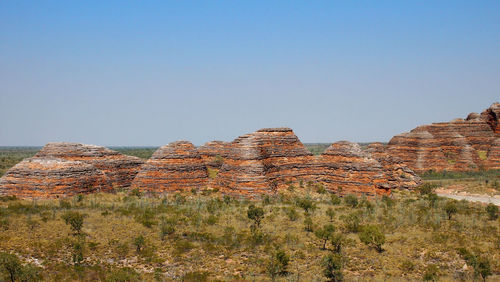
x,y
213,238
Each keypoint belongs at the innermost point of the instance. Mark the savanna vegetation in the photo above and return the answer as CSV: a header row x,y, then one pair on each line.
x,y
293,236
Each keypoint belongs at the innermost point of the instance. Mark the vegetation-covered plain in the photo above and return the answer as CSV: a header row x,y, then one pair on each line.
x,y
298,235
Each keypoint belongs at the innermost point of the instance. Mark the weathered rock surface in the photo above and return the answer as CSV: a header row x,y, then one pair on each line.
x,y
458,145
264,162
494,155
346,168
47,177
397,174
119,168
271,159
174,167
213,153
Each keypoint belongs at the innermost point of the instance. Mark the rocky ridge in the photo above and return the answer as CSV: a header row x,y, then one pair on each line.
x,y
119,168
174,167
50,177
457,145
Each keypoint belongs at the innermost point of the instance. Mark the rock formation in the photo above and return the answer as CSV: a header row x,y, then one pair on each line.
x,y
264,162
174,167
397,174
345,168
213,153
47,177
494,155
458,145
119,168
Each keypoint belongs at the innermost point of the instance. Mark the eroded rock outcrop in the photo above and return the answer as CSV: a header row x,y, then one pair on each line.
x,y
264,162
213,153
458,145
47,177
119,168
174,167
397,174
346,168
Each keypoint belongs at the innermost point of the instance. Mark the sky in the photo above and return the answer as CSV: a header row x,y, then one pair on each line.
x,y
146,73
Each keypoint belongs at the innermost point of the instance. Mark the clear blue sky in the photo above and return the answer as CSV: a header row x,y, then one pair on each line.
x,y
148,73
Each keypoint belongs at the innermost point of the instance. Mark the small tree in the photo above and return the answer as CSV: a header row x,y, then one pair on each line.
x,y
482,267
332,267
256,214
306,204
492,211
330,213
450,208
371,235
308,224
335,199
278,264
139,243
11,265
337,240
75,220
325,234
77,253
351,200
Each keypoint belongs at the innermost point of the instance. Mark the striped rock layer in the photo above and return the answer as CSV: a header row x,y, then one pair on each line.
x,y
397,174
174,167
271,159
458,145
213,153
119,168
345,168
48,177
265,161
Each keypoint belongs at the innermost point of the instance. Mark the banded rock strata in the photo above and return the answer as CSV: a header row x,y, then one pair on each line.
x,y
458,145
174,167
49,177
119,168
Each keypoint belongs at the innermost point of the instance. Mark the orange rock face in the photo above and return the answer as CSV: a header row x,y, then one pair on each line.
x,y
51,178
264,162
345,168
494,155
175,167
458,145
119,168
271,159
397,174
213,153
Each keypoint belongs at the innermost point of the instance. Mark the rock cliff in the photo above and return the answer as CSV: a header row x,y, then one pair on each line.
x,y
119,168
47,177
458,145
174,167
345,168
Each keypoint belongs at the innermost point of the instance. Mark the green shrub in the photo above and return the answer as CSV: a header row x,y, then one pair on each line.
x,y
278,264
332,267
330,213
146,218
306,203
75,220
135,193
256,214
291,213
335,200
11,269
492,211
371,235
139,243
308,224
450,208
77,251
337,240
324,234
166,229
122,274
351,222
351,200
